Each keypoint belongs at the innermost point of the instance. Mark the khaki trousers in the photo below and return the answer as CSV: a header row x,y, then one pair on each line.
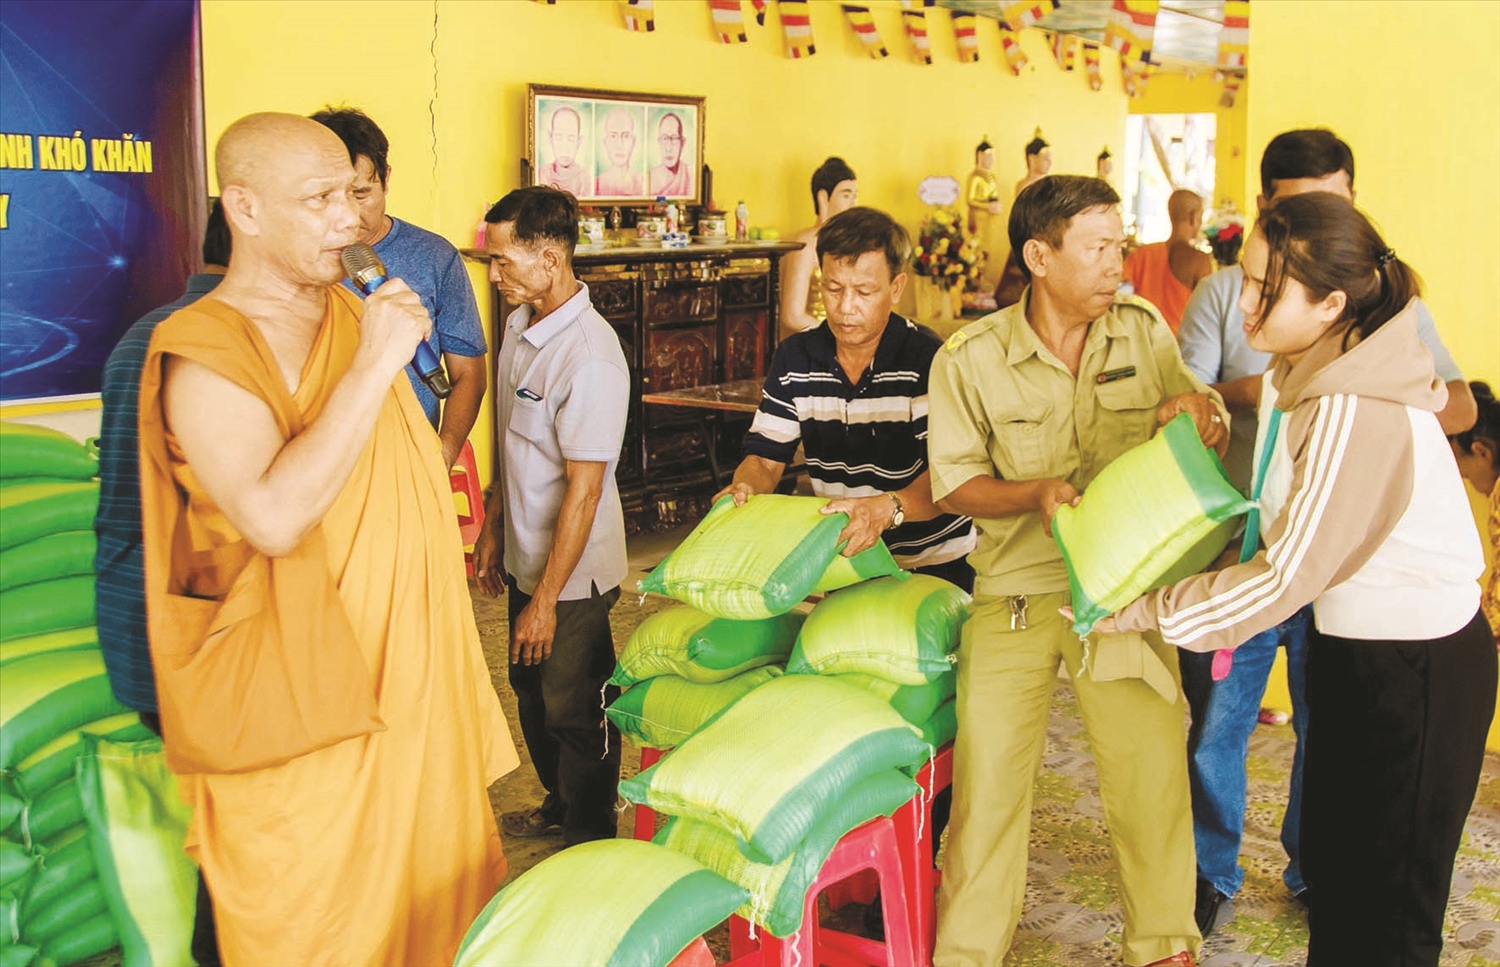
x,y
1005,683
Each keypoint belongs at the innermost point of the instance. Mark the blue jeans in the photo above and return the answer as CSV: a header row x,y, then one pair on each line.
x,y
1224,715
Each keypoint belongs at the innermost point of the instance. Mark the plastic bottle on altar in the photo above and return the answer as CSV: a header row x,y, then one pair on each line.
x,y
741,221
671,218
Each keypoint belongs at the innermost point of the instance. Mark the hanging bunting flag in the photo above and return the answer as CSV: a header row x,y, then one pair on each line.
x,y
864,28
966,37
1131,24
1015,57
1091,65
729,20
1027,12
1133,78
914,20
760,11
639,15
1064,49
1234,36
1231,89
796,26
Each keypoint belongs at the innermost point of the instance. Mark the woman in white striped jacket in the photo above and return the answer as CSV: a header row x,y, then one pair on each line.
x,y
1363,514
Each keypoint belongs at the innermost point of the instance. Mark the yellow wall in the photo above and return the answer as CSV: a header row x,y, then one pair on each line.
x,y
1179,94
770,120
1413,88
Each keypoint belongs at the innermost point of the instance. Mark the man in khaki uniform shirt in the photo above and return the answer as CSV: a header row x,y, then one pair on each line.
x,y
1027,406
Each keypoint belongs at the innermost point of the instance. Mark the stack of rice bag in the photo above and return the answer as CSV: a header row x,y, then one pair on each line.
x,y
76,767
768,779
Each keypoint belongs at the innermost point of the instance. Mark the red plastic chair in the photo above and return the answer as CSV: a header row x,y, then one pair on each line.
x,y
695,954
873,846
645,817
464,478
913,823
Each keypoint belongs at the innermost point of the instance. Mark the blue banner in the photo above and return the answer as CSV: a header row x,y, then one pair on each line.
x,y
102,180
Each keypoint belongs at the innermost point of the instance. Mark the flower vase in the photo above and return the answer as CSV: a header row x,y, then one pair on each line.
x,y
934,300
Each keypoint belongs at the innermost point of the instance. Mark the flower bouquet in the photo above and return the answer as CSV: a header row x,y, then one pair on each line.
x,y
1225,234
945,261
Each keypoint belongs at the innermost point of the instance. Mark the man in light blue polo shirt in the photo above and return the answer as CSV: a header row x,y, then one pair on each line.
x,y
554,533
1225,712
432,267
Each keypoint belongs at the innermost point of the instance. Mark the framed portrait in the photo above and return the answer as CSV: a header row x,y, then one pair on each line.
x,y
615,147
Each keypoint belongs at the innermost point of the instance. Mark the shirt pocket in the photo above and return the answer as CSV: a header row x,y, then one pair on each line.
x,y
531,420
1127,416
1022,438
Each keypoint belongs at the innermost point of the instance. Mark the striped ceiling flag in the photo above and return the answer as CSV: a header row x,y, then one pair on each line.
x,y
760,11
1131,24
1015,57
1027,12
1234,36
796,26
968,40
914,20
1064,50
1091,65
864,27
1133,78
640,15
1231,89
729,20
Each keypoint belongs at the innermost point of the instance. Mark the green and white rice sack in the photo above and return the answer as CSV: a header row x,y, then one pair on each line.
x,y
1158,503
942,726
33,509
53,762
763,558
916,703
609,903
45,695
38,609
38,451
79,942
778,892
772,763
137,822
67,554
904,631
661,712
72,639
696,646
63,868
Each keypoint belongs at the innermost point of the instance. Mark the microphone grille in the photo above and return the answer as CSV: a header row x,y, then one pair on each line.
x,y
359,259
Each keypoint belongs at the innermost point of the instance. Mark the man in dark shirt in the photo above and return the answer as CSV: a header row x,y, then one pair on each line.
x,y
853,392
119,566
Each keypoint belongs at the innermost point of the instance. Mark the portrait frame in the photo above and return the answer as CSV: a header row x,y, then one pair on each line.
x,y
623,147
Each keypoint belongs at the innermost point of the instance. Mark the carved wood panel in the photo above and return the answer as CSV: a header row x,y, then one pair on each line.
x,y
679,358
670,302
614,298
746,290
676,445
745,334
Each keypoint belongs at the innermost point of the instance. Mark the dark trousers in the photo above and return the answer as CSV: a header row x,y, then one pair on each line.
x,y
1394,749
561,704
961,573
205,946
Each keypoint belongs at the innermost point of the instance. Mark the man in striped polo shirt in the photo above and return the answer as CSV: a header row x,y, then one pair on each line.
x,y
853,392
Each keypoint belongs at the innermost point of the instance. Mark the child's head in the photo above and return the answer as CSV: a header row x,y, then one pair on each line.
x,y
1478,448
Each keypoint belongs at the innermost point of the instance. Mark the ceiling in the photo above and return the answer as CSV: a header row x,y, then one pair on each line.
x,y
1187,31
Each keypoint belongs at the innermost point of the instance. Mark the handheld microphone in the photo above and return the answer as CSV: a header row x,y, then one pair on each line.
x,y
368,274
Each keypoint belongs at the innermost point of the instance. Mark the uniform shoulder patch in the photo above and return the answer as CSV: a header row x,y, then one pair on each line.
x,y
968,332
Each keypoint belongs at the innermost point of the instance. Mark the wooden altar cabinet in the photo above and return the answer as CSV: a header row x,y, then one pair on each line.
x,y
687,317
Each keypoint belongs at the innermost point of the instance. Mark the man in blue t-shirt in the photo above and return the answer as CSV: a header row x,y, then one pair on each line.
x,y
434,270
1225,712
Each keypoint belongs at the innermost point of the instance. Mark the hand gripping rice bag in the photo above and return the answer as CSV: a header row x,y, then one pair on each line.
x,y
772,763
1161,508
609,903
902,631
701,648
763,558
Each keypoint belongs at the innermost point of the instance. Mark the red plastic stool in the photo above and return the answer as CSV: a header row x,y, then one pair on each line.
x,y
913,823
645,817
873,846
695,954
464,478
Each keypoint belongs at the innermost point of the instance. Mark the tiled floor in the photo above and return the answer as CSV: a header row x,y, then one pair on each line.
x,y
1072,912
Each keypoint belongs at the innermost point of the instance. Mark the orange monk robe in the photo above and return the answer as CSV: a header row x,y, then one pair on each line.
x,y
1150,272
380,849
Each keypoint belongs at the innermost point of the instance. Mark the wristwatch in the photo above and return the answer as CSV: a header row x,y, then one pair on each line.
x,y
898,516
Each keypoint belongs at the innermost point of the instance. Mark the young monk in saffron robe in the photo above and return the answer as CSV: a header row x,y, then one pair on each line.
x,y
323,695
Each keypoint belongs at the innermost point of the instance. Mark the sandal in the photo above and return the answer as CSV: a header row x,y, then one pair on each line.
x,y
529,825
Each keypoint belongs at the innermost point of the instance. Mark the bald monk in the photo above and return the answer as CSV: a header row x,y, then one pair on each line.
x,y
1165,273
322,690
